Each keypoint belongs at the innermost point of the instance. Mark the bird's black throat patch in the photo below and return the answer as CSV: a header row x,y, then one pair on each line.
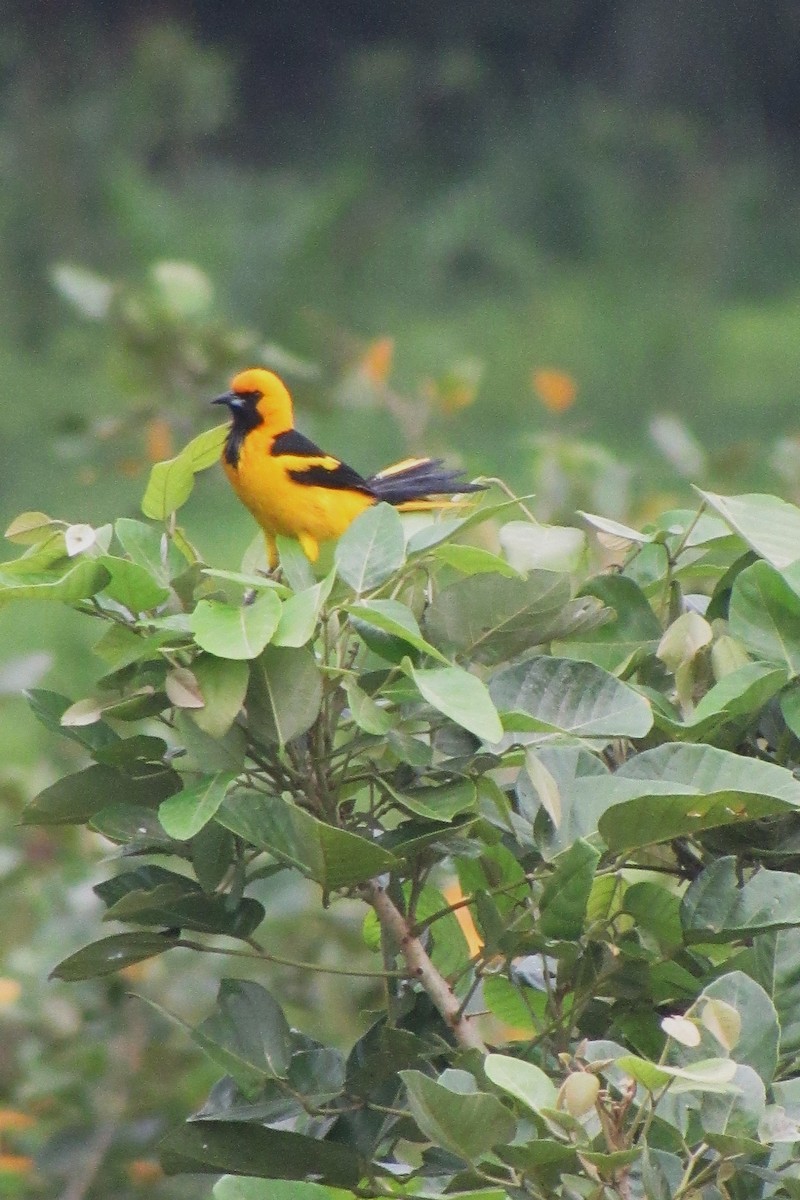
x,y
244,418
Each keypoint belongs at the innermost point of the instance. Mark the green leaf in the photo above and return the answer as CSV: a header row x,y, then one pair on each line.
x,y
300,614
615,529
365,712
708,1075
757,1044
395,619
718,906
149,547
770,526
223,683
73,799
177,906
85,579
205,754
737,1115
634,630
236,630
566,766
473,560
169,486
462,697
519,1007
467,1125
566,892
531,547
741,692
441,803
284,694
764,614
295,567
558,695
246,1147
111,954
231,1187
333,857
49,707
491,619
371,549
213,853
171,482
680,790
247,1034
184,814
656,911
522,1080
30,528
776,967
131,585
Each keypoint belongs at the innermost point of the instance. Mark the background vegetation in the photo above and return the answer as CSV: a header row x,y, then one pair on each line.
x,y
592,210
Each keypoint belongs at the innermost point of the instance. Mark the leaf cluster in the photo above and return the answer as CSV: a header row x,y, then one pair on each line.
x,y
566,801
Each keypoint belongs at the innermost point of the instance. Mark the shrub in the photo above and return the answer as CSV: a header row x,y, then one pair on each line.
x,y
566,802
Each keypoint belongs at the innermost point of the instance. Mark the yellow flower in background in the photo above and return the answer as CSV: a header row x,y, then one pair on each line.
x,y
376,362
11,1119
158,437
10,992
556,389
15,1164
143,1172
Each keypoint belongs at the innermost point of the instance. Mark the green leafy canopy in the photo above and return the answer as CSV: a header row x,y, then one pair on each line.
x,y
565,802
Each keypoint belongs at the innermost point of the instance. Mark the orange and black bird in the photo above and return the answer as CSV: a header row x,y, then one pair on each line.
x,y
294,489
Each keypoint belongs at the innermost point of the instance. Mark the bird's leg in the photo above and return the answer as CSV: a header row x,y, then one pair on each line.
x,y
310,546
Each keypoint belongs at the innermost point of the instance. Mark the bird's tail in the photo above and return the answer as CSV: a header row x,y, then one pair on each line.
x,y
415,484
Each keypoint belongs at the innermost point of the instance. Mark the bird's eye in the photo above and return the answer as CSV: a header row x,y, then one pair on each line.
x,y
250,397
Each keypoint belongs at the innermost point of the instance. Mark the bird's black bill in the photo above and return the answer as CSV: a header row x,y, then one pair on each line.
x,y
230,399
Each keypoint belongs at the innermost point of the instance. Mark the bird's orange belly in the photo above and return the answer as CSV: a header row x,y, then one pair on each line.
x,y
283,506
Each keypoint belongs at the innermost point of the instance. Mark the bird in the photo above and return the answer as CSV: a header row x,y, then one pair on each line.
x,y
295,489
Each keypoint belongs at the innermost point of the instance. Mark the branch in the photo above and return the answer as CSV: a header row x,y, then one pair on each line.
x,y
421,968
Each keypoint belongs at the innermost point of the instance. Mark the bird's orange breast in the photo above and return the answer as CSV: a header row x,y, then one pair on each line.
x,y
281,504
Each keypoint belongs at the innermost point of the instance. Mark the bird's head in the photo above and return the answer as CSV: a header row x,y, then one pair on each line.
x,y
257,397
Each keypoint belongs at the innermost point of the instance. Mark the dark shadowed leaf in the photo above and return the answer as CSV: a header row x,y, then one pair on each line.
x,y
566,892
491,619
634,628
76,798
241,1147
333,857
719,905
247,1034
111,954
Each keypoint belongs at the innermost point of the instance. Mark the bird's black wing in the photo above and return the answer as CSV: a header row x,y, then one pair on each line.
x,y
321,469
